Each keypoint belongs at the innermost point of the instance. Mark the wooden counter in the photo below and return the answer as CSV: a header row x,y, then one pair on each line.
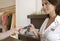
x,y
10,39
37,20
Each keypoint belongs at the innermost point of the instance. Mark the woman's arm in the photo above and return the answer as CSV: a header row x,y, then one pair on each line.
x,y
32,29
6,34
36,35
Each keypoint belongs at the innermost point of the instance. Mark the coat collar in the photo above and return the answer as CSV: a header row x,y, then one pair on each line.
x,y
53,24
57,19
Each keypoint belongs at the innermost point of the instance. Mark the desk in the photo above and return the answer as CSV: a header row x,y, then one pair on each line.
x,y
26,38
10,39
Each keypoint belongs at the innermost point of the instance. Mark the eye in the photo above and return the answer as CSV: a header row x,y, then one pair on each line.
x,y
46,3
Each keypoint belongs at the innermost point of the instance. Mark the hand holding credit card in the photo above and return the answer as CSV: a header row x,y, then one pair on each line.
x,y
27,27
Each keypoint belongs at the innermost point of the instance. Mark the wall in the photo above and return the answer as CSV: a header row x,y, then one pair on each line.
x,y
24,8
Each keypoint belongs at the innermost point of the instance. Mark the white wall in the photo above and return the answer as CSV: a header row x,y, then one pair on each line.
x,y
24,8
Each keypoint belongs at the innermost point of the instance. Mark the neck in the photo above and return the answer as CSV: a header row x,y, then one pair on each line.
x,y
52,15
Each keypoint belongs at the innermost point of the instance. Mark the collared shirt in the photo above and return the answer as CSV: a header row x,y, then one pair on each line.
x,y
52,33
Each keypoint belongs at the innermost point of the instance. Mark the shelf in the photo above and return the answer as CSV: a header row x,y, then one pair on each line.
x,y
37,16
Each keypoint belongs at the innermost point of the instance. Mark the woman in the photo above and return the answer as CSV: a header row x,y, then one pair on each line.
x,y
50,29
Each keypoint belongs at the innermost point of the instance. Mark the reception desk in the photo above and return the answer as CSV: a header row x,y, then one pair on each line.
x,y
26,38
10,39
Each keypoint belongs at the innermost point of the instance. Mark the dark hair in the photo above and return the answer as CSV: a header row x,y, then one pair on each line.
x,y
57,10
56,3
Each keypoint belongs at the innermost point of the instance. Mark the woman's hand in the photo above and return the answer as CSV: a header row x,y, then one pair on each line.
x,y
20,29
32,28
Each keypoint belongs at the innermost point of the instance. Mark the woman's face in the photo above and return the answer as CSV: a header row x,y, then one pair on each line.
x,y
48,7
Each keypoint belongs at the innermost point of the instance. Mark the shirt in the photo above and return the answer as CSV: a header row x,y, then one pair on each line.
x,y
52,33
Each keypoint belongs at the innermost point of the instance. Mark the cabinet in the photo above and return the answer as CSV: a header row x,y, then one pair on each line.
x,y
37,20
9,13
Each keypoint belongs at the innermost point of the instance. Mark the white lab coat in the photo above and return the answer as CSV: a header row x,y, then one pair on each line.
x,y
52,33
